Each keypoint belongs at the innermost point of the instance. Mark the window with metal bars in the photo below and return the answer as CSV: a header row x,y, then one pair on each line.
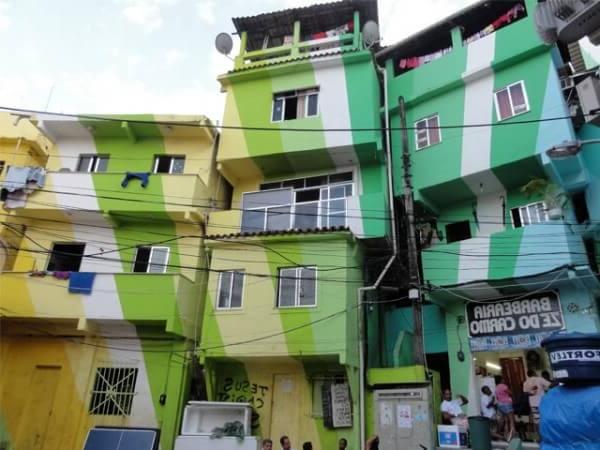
x,y
113,391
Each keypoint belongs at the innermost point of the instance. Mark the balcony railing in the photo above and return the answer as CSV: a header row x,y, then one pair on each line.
x,y
297,47
103,192
166,300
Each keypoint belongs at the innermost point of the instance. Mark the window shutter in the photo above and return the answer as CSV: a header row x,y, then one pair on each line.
x,y
158,260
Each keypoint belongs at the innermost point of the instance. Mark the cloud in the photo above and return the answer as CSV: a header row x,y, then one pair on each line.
x,y
4,17
206,11
174,55
147,14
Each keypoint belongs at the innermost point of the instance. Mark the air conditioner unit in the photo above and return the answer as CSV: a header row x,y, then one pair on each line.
x,y
588,91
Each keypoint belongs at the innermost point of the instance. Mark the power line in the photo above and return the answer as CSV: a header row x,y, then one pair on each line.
x,y
194,124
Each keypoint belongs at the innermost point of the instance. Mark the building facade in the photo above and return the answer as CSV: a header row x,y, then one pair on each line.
x,y
309,206
102,285
506,234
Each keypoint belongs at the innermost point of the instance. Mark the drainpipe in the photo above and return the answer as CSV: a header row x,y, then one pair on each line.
x,y
364,289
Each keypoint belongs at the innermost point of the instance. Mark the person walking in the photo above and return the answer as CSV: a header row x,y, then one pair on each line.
x,y
536,387
505,407
267,444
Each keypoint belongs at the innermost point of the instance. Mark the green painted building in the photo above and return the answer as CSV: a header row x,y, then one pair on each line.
x,y
505,254
309,211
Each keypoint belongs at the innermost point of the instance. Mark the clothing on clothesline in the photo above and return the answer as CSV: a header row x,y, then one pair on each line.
x,y
19,182
81,282
144,177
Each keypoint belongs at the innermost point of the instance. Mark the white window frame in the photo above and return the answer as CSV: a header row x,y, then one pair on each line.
x,y
510,100
229,307
152,248
173,157
428,130
322,219
297,287
526,209
307,92
94,161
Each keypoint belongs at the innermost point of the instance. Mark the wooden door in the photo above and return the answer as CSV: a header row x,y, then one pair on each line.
x,y
285,409
39,403
513,372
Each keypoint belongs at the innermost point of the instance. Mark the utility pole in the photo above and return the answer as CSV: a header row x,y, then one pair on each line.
x,y
414,290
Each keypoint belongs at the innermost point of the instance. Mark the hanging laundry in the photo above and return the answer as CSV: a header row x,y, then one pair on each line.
x,y
81,282
19,182
512,14
416,61
144,177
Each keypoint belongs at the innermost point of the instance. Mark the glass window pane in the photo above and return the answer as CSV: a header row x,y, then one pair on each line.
x,y
102,164
542,213
524,216
337,206
307,294
503,104
301,106
287,288
277,110
253,220
142,257
349,190
162,164
278,218
517,97
337,220
533,213
316,181
262,199
337,192
158,260
306,215
84,163
296,184
308,195
224,289
178,164
312,105
434,133
339,177
236,295
421,125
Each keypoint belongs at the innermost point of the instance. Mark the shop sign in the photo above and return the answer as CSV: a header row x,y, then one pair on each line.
x,y
578,355
341,406
535,314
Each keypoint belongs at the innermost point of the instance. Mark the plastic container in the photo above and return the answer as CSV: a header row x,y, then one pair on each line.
x,y
200,418
481,434
452,436
574,357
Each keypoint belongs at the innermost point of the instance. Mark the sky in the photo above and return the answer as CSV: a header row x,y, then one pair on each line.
x,y
143,56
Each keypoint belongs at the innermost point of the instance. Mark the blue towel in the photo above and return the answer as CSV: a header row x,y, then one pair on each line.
x,y
81,282
142,176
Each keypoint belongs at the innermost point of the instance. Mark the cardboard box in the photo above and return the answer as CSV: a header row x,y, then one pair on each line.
x,y
452,436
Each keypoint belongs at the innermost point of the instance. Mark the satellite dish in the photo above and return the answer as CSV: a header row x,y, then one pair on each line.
x,y
370,33
223,43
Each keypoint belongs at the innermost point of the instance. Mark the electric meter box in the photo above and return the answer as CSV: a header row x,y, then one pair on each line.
x,y
201,418
404,417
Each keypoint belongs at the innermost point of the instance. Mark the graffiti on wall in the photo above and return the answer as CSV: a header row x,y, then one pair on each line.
x,y
241,390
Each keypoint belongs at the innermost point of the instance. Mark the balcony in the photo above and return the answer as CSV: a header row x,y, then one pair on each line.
x,y
160,300
297,33
76,192
539,252
304,216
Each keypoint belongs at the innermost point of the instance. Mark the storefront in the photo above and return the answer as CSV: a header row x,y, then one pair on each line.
x,y
504,339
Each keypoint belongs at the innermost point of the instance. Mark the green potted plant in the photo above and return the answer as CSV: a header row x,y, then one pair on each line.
x,y
554,199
